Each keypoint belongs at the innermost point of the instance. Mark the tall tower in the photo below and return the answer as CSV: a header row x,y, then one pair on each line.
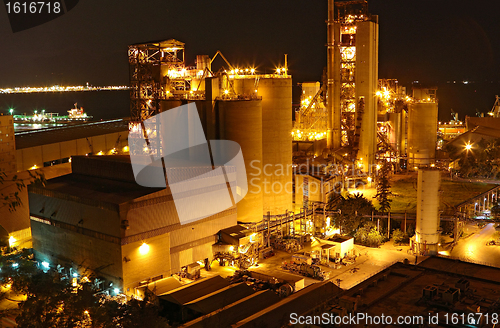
x,y
426,237
355,77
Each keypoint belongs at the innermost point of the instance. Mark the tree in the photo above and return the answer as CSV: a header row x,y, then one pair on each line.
x,y
352,208
384,188
11,199
399,237
52,300
481,160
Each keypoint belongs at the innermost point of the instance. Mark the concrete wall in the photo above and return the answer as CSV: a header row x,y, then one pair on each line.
x,y
57,245
28,157
7,145
139,264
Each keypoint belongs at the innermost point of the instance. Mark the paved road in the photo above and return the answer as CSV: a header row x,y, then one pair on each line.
x,y
474,248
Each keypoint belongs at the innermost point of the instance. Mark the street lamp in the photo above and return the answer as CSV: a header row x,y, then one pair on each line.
x,y
468,146
11,111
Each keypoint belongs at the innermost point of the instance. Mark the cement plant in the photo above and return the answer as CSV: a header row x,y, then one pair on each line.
x,y
354,202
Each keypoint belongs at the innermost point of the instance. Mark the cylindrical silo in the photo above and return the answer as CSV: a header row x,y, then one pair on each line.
x,y
276,96
426,232
422,133
241,121
395,133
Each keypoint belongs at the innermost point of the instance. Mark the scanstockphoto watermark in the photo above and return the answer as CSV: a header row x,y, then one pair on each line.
x,y
355,319
265,178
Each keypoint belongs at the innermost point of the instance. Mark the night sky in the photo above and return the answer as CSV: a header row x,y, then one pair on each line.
x,y
435,42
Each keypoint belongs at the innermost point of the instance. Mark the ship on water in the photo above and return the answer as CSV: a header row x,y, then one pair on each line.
x,y
74,114
43,120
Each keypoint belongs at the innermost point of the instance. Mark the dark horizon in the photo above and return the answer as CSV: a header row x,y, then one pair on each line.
x,y
426,41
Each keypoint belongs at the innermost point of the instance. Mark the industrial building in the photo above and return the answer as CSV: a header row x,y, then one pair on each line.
x,y
98,218
7,145
48,147
237,104
434,290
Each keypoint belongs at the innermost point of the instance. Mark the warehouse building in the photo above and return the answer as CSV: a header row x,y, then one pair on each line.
x,y
99,218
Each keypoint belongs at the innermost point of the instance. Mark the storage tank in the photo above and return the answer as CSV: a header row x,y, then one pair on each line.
x,y
241,121
426,232
277,143
422,133
276,93
396,130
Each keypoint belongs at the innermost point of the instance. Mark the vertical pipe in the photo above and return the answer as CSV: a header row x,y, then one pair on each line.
x,y
388,225
268,229
333,127
286,64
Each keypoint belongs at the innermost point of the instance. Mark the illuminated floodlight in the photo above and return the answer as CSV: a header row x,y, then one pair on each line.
x,y
468,146
75,274
116,291
144,249
45,265
15,265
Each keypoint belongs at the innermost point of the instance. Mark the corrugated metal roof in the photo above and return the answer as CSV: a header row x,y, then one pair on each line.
x,y
278,314
192,291
220,298
164,285
28,139
236,311
86,189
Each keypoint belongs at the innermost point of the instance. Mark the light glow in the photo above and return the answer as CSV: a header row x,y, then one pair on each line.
x,y
144,249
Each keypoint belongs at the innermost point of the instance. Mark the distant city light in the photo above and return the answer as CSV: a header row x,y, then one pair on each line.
x,y
15,265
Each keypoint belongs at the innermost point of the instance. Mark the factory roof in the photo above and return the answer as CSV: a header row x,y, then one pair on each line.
x,y
237,231
281,276
163,286
194,290
236,311
36,138
340,239
437,285
116,188
220,298
278,314
489,122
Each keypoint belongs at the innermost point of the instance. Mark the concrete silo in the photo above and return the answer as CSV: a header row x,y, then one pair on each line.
x,y
276,93
426,233
422,128
276,143
241,121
